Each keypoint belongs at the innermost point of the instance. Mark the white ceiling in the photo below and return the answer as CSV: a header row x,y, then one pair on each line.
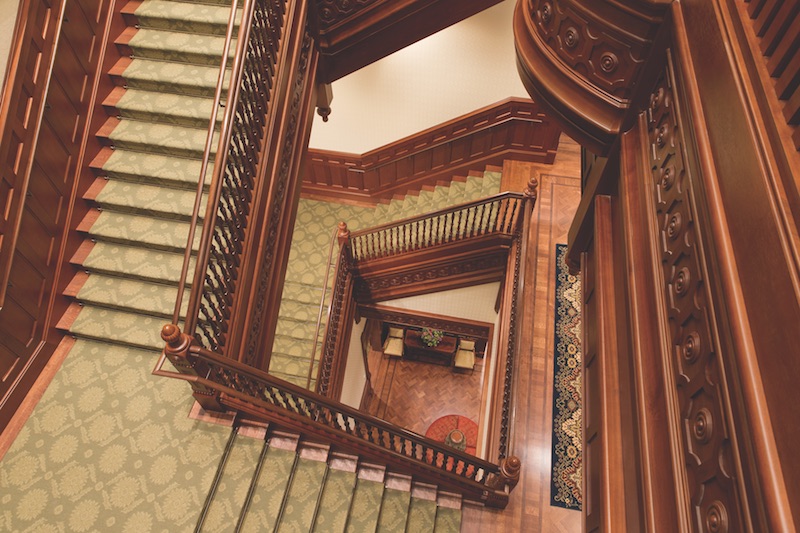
x,y
456,71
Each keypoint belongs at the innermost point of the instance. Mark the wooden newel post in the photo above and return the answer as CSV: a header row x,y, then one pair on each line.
x,y
177,351
344,234
504,481
531,192
509,470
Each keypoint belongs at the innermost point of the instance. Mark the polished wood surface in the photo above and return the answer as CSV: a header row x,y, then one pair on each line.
x,y
413,395
583,61
514,128
529,508
417,350
355,34
45,120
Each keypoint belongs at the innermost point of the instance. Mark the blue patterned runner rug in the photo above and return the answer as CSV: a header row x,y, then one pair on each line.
x,y
565,485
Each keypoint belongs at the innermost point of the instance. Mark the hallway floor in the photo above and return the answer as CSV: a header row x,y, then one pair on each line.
x,y
413,395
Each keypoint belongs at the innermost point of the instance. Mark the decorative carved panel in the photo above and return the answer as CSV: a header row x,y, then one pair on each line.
x,y
582,61
699,378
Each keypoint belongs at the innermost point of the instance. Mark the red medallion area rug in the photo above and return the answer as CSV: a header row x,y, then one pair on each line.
x,y
451,428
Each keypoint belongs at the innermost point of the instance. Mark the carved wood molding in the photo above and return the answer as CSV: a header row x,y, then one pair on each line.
x,y
582,61
355,33
458,326
513,128
431,276
699,377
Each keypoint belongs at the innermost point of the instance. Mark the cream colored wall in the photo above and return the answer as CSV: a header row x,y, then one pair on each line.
x,y
355,375
8,19
456,71
472,303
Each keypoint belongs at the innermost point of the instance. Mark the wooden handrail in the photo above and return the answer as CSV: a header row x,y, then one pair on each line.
x,y
321,309
212,374
235,171
212,124
492,215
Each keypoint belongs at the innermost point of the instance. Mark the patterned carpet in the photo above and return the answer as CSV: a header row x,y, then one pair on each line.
x,y
565,490
110,447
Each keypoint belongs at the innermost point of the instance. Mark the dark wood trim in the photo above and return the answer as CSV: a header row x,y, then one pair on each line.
x,y
514,128
47,119
352,35
422,319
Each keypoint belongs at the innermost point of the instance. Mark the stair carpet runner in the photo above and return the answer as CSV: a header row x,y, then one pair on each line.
x,y
280,484
305,276
133,253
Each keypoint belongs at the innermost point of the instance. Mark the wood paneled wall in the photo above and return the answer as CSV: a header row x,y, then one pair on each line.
x,y
514,128
45,122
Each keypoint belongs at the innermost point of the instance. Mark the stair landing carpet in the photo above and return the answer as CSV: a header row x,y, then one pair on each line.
x,y
565,488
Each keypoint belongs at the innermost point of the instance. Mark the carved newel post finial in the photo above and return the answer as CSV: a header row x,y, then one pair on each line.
x,y
176,341
509,470
531,191
344,234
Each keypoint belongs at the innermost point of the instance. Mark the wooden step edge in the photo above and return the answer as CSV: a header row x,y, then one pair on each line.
x,y
343,461
83,251
458,179
397,481
116,71
493,168
314,451
450,500
89,220
129,9
101,159
475,173
211,417
69,316
423,491
113,98
94,189
105,130
76,284
372,472
283,440
124,38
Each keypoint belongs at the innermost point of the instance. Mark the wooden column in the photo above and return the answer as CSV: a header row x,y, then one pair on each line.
x,y
269,241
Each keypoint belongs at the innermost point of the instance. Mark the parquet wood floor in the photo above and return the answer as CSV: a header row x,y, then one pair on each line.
x,y
529,509
413,394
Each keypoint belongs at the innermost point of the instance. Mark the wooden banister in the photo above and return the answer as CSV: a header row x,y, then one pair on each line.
x,y
497,214
224,381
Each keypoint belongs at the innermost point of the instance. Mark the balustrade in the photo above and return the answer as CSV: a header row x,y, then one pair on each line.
x,y
493,215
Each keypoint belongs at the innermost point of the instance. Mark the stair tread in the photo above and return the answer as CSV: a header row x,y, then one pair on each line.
x,y
167,139
335,502
233,484
448,520
141,198
365,507
394,511
127,228
171,77
154,43
293,347
269,491
136,262
298,513
130,295
191,111
183,16
154,168
421,515
119,327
